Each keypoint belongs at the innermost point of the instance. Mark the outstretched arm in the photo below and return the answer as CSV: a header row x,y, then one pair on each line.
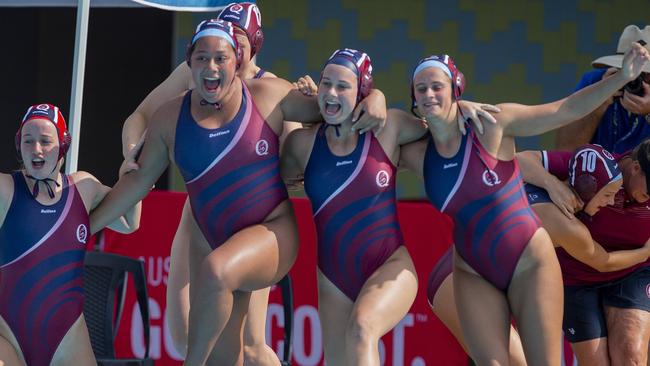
x,y
130,221
134,186
582,131
575,238
521,120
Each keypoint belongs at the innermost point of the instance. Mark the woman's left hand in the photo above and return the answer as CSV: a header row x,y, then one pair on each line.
x,y
370,114
476,113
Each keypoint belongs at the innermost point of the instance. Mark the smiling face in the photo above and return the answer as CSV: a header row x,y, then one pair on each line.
x,y
604,197
213,64
39,148
433,93
337,93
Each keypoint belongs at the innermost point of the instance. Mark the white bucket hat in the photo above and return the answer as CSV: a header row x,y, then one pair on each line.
x,y
631,34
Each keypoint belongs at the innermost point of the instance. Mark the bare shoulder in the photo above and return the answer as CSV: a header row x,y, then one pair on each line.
x,y
268,94
85,182
268,88
267,74
164,119
89,187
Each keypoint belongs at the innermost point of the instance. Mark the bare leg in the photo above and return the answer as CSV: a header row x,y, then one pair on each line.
x,y
8,354
628,335
256,351
536,297
334,309
592,352
444,306
178,283
383,301
485,323
253,258
75,347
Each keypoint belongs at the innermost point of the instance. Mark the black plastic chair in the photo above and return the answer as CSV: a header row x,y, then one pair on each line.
x,y
287,302
105,283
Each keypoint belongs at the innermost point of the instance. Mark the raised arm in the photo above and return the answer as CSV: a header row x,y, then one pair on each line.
x,y
521,120
136,124
581,132
134,186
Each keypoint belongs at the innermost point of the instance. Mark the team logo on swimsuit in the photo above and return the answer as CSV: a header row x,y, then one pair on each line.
x,y
262,148
382,179
82,233
490,178
647,290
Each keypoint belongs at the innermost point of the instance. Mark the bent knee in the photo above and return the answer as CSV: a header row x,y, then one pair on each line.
x,y
361,329
219,273
628,352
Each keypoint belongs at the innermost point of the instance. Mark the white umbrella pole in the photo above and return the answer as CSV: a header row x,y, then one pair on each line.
x,y
78,70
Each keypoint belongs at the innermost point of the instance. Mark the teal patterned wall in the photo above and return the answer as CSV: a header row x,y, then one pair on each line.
x,y
517,51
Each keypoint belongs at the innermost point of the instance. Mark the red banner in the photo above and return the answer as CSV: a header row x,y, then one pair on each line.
x,y
419,339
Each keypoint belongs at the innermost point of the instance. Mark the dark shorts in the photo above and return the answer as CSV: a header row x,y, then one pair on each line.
x,y
535,194
584,316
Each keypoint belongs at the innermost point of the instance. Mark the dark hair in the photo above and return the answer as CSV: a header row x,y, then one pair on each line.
x,y
641,153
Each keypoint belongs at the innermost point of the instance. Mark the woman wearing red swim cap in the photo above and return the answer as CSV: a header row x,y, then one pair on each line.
x,y
501,256
366,278
44,229
246,20
223,135
604,254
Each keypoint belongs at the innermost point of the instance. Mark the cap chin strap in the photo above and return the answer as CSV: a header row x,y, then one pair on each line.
x,y
336,128
45,181
216,105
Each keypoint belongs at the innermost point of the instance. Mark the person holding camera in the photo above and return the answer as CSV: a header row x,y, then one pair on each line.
x,y
623,121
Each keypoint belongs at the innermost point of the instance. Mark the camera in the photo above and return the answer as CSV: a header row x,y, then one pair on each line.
x,y
636,86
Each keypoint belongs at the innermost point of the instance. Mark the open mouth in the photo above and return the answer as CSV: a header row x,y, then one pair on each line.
x,y
331,108
211,84
38,163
